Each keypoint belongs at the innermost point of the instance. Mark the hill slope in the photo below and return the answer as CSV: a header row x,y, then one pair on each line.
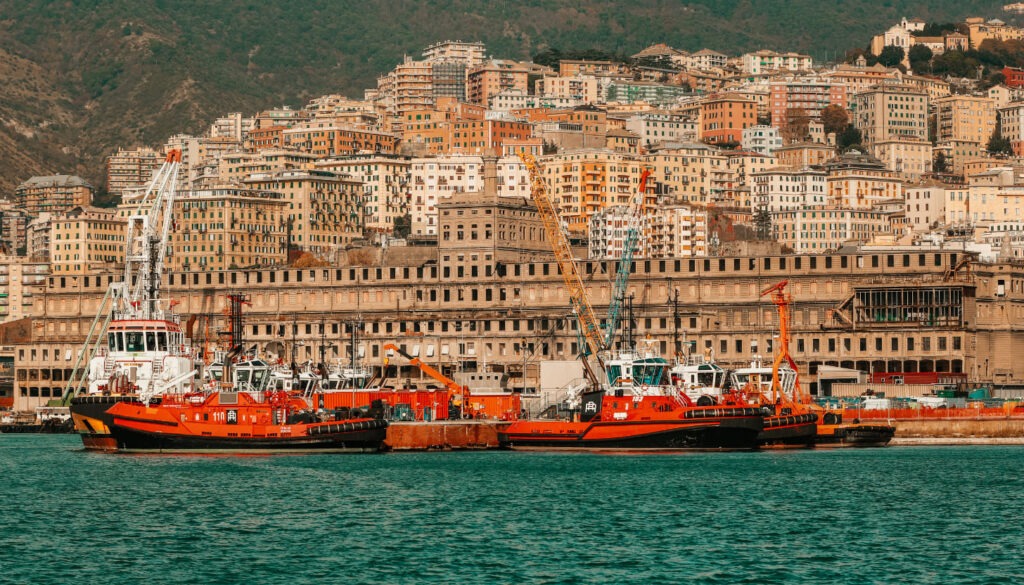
x,y
85,76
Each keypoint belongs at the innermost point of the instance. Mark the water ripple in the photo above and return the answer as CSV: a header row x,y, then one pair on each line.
x,y
906,515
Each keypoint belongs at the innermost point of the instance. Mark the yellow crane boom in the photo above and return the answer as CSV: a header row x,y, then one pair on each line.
x,y
590,327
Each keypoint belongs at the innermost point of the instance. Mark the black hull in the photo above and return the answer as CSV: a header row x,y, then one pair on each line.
x,y
738,434
94,408
857,436
789,431
363,440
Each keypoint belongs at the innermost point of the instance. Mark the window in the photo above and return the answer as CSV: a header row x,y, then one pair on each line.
x,y
895,343
956,343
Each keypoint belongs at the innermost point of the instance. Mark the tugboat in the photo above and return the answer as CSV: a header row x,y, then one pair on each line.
x,y
833,432
245,416
136,342
641,409
629,401
787,422
829,428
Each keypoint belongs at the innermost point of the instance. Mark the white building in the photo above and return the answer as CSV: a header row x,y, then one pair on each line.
x,y
653,128
761,139
515,99
677,231
705,59
925,207
608,231
432,179
782,188
760,62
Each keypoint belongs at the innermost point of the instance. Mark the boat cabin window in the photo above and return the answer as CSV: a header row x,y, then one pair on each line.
x,y
133,341
150,341
707,379
649,375
161,341
259,378
614,372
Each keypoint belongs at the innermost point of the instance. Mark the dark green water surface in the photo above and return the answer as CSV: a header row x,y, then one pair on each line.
x,y
894,515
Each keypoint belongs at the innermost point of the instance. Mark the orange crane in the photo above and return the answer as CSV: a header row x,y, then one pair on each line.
x,y
590,327
782,301
457,393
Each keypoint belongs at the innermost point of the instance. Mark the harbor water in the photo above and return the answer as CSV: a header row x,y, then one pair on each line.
x,y
893,515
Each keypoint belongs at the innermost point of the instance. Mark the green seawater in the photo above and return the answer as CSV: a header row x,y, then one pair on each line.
x,y
893,515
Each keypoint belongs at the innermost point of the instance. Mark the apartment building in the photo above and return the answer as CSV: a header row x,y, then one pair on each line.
x,y
925,206
909,158
385,181
325,138
860,181
964,118
228,228
803,97
891,112
763,61
583,182
22,282
53,194
761,139
470,54
494,77
676,231
86,240
324,213
781,188
583,89
724,118
130,169
655,127
820,229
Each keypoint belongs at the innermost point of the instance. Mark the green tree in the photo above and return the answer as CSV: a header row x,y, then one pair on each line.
x,y
850,137
403,226
941,164
920,58
999,145
763,223
891,56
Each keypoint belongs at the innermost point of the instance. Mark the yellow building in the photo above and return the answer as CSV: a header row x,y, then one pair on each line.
x,y
325,211
228,228
86,240
891,111
584,182
995,196
814,230
21,282
964,118
54,194
859,181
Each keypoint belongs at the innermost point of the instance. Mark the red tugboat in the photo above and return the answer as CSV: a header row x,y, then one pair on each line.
x,y
640,411
250,420
788,420
632,403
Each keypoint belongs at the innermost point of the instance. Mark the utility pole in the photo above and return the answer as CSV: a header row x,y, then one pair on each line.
x,y
675,323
